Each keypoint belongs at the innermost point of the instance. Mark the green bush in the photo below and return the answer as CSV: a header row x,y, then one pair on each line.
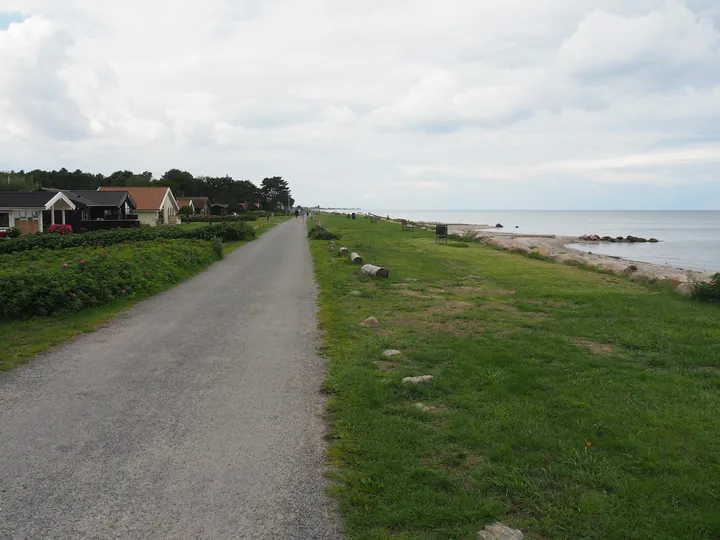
x,y
227,232
217,219
320,233
709,291
46,282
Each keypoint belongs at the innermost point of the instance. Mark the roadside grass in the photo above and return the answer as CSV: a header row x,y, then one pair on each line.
x,y
566,403
21,341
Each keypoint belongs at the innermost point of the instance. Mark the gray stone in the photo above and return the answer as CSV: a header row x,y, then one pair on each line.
x,y
499,531
423,407
356,293
391,352
686,289
418,381
371,321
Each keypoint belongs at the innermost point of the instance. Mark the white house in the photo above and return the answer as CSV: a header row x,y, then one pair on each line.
x,y
32,211
155,205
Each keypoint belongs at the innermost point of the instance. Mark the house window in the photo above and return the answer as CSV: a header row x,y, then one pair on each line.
x,y
4,219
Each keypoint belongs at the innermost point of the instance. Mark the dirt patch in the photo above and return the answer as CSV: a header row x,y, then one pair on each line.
x,y
450,306
481,290
708,369
387,367
549,303
418,294
458,328
497,306
596,348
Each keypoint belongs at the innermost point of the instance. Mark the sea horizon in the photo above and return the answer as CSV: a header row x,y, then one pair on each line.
x,y
688,238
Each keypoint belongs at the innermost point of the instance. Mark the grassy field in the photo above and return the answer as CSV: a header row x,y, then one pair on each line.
x,y
566,403
22,340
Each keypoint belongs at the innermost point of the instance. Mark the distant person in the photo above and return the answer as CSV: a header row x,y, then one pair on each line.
x,y
297,213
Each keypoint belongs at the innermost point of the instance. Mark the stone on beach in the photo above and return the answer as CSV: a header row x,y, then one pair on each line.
x,y
569,259
418,381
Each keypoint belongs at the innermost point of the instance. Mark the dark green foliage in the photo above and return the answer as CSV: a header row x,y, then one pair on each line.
x,y
320,233
45,282
709,291
217,247
275,192
227,232
218,219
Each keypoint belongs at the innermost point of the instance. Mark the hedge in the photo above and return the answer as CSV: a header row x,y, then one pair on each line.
x,y
217,219
46,282
224,231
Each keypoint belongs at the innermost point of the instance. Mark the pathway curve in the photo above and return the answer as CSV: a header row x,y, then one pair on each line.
x,y
197,414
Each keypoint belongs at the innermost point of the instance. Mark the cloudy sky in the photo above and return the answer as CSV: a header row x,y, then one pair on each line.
x,y
411,104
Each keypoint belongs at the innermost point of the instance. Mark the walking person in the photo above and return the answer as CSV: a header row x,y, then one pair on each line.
x,y
297,213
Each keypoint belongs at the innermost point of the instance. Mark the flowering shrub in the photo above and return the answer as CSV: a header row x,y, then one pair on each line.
x,y
43,282
227,232
60,229
12,232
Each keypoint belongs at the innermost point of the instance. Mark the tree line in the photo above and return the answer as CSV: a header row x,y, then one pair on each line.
x,y
272,194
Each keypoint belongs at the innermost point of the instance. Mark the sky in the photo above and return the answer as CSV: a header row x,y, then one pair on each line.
x,y
397,104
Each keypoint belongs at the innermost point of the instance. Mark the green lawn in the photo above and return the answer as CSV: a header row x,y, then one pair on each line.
x,y
566,403
20,341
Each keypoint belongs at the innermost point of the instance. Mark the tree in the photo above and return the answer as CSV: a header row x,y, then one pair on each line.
x,y
186,211
275,192
181,183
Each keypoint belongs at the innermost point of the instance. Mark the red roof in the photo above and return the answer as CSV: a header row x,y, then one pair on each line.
x,y
146,198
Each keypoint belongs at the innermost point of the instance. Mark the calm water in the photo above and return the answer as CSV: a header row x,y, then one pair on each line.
x,y
688,239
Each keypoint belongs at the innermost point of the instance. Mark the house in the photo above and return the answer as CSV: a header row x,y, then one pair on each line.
x,y
184,202
100,209
33,211
202,205
217,209
155,205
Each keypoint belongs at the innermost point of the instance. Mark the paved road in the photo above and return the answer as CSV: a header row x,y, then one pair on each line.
x,y
197,414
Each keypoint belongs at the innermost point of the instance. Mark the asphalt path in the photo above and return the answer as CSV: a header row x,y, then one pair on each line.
x,y
196,414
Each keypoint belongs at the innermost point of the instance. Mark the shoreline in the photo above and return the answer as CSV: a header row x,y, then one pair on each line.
x,y
556,248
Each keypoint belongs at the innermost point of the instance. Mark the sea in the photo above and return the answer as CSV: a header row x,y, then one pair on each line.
x,y
688,239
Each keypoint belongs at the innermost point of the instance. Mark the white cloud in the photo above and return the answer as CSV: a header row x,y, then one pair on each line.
x,y
457,97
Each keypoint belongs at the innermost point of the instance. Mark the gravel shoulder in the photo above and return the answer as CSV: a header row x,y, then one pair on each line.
x,y
196,414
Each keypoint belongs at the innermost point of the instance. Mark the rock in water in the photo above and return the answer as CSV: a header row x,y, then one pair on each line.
x,y
499,531
653,240
499,226
391,352
418,381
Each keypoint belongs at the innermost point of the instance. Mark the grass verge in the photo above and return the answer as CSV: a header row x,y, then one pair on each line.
x,y
21,341
566,403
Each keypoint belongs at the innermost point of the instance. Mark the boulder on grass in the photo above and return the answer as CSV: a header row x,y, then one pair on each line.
x,y
371,321
500,531
391,352
418,381
686,289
